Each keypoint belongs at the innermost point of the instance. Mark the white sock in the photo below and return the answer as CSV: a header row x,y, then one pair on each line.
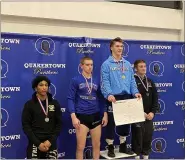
x,y
122,139
145,156
137,157
109,141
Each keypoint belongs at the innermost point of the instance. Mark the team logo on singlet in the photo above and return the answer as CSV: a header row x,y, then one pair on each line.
x,y
45,46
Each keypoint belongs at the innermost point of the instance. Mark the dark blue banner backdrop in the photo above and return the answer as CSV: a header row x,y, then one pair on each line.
x,y
26,56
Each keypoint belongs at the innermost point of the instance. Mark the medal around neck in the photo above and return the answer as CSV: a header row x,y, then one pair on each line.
x,y
89,87
145,86
44,111
46,119
90,97
123,76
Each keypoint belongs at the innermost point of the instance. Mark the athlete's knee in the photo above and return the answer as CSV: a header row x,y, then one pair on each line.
x,y
80,147
96,144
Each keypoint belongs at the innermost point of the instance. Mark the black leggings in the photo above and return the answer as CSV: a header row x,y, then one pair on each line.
x,y
142,137
34,152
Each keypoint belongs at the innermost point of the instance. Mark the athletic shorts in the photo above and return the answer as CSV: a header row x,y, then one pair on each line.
x,y
91,121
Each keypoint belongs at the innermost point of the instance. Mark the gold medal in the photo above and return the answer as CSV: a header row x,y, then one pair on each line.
x,y
123,76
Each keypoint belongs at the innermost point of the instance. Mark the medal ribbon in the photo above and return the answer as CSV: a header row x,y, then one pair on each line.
x,y
45,111
89,88
145,86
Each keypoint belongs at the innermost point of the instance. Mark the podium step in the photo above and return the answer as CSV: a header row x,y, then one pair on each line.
x,y
117,153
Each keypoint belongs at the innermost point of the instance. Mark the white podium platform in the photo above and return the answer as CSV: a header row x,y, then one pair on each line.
x,y
117,153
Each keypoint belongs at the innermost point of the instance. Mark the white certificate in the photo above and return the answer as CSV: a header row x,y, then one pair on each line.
x,y
128,111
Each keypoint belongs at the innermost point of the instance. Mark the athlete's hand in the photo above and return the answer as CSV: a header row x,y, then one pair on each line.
x,y
75,121
150,116
47,144
105,119
138,95
42,147
111,98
